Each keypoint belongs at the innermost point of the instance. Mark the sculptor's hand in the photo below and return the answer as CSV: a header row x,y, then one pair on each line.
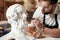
x,y
37,23
40,27
37,35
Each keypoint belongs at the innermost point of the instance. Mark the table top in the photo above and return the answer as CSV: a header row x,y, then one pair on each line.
x,y
7,37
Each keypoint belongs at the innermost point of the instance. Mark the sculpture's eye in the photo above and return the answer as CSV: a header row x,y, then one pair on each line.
x,y
9,17
13,15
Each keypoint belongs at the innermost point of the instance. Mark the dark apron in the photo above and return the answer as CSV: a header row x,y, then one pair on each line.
x,y
49,26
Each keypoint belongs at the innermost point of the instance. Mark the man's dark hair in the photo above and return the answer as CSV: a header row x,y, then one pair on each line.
x,y
52,1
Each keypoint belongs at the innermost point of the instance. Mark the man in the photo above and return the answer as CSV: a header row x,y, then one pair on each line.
x,y
47,19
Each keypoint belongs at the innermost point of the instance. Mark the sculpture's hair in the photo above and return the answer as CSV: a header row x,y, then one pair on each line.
x,y
15,10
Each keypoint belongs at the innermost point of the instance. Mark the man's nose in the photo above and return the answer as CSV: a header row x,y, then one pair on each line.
x,y
43,8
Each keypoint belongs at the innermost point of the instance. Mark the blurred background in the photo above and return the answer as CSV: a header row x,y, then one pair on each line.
x,y
30,6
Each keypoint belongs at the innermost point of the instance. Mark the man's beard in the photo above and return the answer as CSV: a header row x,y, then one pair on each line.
x,y
46,13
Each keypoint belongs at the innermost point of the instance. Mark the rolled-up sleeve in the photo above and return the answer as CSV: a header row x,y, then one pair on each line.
x,y
37,13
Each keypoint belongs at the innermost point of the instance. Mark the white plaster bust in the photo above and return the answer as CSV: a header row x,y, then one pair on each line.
x,y
16,16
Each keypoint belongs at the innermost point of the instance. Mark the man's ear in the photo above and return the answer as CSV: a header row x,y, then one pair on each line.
x,y
55,5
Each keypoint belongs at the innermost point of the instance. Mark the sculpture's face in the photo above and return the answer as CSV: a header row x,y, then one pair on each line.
x,y
15,13
12,17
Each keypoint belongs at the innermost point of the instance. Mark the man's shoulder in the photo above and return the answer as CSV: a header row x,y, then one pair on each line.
x,y
58,5
58,8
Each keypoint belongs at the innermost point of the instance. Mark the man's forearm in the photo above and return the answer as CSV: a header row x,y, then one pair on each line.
x,y
52,32
30,30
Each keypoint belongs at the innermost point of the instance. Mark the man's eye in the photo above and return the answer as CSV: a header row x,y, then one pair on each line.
x,y
46,7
